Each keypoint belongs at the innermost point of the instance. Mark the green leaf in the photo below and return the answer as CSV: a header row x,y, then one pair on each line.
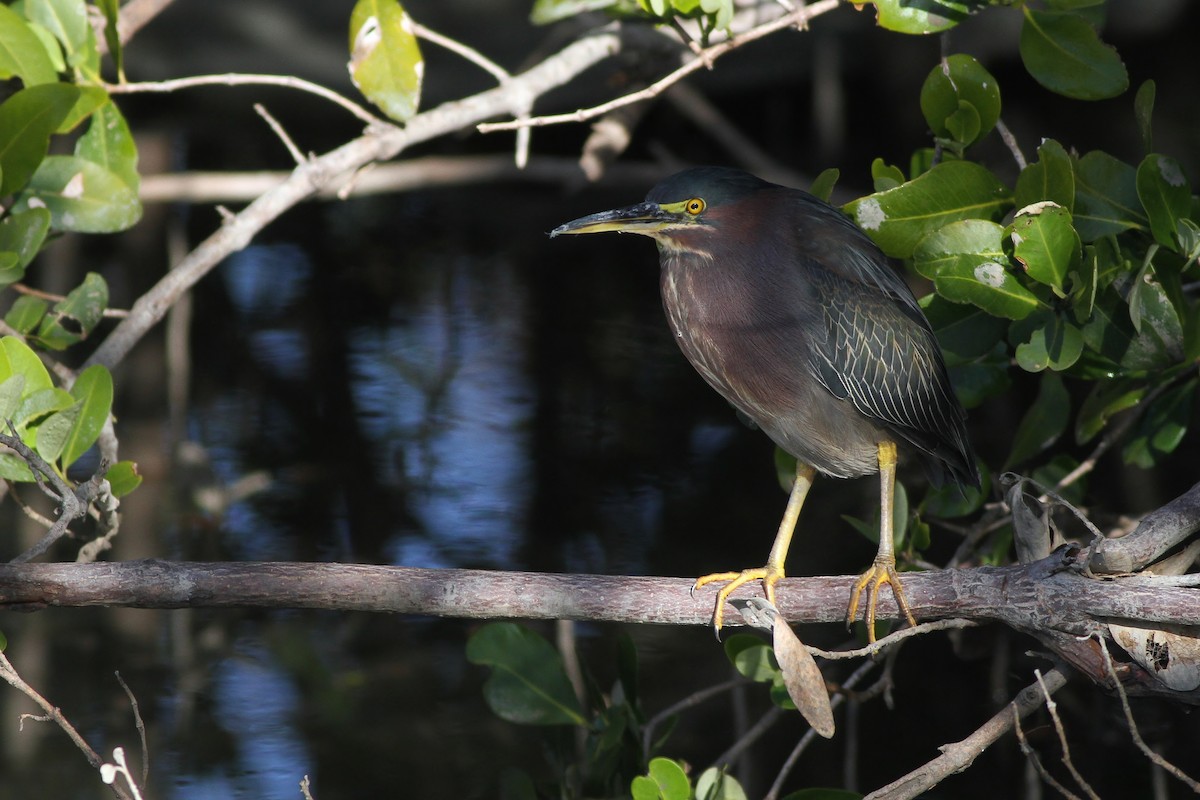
x,y
666,781
22,54
21,235
1046,244
751,657
822,185
1143,112
1106,399
547,11
1047,340
109,143
528,684
1150,305
111,10
75,316
1051,177
897,219
14,468
27,119
1062,52
949,501
53,431
81,196
931,16
16,358
970,241
1110,334
1162,426
1043,423
66,19
385,60
94,390
964,332
26,313
884,176
90,98
960,99
1164,192
966,261
11,389
715,784
37,406
1106,197
123,478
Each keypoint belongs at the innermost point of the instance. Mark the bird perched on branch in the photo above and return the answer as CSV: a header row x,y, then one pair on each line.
x,y
800,321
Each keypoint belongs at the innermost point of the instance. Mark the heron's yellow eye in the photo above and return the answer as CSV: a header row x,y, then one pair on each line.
x,y
694,206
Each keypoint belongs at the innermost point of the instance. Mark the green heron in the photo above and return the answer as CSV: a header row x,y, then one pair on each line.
x,y
800,321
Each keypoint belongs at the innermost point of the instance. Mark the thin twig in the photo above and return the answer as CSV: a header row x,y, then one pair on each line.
x,y
1110,438
278,130
1036,760
702,61
1052,708
53,714
458,48
110,313
893,639
140,725
242,79
1011,143
70,507
1156,758
695,698
756,732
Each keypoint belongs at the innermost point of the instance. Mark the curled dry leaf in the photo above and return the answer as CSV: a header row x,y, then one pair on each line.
x,y
1171,653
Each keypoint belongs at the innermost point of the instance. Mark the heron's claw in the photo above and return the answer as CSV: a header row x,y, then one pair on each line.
x,y
883,571
769,575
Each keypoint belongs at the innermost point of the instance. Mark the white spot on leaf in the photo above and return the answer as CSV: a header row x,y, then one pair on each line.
x,y
1033,209
37,202
365,41
870,214
990,274
1170,172
74,187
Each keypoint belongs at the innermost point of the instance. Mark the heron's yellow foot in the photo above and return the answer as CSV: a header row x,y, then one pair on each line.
x,y
882,571
769,575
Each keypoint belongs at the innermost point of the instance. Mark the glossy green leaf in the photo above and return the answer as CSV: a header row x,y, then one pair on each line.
x,y
1110,334
1046,244
90,98
884,176
39,405
11,389
932,16
385,60
1162,427
109,143
1106,197
1051,177
14,468
1143,112
981,379
528,684
666,781
22,235
1150,305
94,391
1166,196
1106,399
16,358
715,784
111,11
22,53
1047,340
1086,284
1062,52
66,19
1043,423
52,432
27,119
968,265
81,196
822,185
74,317
123,478
960,99
26,313
751,657
969,242
897,219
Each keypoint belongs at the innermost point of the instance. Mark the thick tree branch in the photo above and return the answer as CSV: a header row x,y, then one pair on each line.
x,y
1050,599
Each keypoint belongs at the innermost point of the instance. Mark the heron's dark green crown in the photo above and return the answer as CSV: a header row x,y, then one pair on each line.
x,y
716,185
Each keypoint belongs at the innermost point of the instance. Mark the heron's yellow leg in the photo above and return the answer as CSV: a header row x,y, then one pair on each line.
x,y
772,573
883,570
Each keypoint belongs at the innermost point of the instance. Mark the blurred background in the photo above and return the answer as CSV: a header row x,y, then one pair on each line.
x,y
423,379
